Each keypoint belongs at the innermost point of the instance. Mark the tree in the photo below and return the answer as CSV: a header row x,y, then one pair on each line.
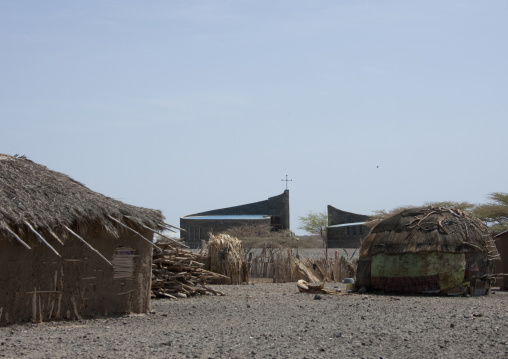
x,y
495,213
315,223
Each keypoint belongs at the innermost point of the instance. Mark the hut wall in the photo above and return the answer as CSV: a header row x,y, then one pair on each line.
x,y
37,285
501,266
430,272
418,272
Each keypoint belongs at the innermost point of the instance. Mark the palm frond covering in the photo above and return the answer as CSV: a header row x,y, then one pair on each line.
x,y
429,229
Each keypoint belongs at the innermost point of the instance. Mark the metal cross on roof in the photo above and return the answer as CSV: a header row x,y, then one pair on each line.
x,y
287,181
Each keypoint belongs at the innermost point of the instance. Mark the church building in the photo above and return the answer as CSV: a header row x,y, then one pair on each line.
x,y
346,229
273,212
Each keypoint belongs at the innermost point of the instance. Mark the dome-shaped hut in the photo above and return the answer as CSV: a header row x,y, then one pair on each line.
x,y
429,250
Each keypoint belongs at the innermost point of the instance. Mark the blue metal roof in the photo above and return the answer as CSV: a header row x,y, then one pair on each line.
x,y
347,224
233,217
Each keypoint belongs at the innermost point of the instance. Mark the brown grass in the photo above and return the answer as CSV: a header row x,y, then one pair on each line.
x,y
277,239
225,257
260,236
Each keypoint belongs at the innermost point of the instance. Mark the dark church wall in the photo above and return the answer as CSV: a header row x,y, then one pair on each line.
x,y
336,216
346,236
198,230
274,206
277,207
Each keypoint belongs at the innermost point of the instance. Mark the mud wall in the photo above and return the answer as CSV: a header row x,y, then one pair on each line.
x,y
37,285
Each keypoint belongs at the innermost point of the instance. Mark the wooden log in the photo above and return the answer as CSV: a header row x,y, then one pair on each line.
x,y
40,310
165,295
34,305
75,307
42,238
216,292
171,226
54,235
17,237
169,238
135,232
88,245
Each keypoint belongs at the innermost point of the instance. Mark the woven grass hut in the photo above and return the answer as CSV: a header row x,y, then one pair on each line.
x,y
69,252
430,250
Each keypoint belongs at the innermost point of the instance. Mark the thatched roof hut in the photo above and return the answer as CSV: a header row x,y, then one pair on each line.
x,y
51,200
427,250
66,250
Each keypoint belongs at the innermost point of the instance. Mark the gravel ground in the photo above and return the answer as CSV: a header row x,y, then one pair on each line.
x,y
266,320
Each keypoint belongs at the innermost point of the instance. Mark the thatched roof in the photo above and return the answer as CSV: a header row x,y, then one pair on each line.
x,y
31,194
428,229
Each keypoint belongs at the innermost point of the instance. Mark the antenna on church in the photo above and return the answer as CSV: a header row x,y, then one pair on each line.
x,y
287,181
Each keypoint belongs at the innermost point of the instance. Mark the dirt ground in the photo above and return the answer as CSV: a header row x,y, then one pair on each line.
x,y
266,320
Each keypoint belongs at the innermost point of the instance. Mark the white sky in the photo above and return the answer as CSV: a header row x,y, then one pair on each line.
x,y
189,106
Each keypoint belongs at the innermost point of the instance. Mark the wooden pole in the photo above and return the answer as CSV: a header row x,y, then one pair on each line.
x,y
88,245
17,238
180,229
168,226
42,239
171,239
34,305
132,230
54,236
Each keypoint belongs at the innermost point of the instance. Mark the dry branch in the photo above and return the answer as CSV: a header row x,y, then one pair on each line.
x,y
179,273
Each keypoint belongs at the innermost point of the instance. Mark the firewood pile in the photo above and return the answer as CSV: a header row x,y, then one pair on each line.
x,y
179,273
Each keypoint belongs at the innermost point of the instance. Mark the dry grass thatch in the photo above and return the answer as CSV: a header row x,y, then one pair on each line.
x,y
50,200
225,257
429,229
283,265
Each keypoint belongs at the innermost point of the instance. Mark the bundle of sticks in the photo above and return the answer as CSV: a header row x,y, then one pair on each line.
x,y
179,273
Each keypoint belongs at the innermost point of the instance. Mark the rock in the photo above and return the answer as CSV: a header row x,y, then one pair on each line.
x,y
362,290
317,297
